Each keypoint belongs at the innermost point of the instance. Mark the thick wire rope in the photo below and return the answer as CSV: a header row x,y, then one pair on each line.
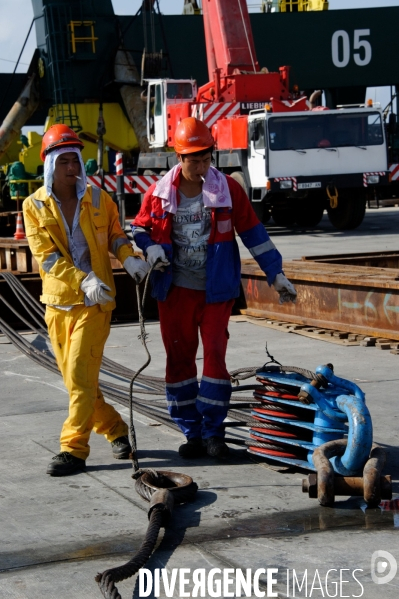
x,y
158,515
152,385
143,338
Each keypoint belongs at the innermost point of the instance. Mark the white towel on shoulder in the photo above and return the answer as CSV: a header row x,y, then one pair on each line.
x,y
215,191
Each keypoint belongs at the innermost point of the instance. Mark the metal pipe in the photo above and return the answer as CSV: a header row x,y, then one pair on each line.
x,y
120,189
101,131
127,76
20,112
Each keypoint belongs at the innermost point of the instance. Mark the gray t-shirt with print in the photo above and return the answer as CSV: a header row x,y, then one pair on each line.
x,y
190,233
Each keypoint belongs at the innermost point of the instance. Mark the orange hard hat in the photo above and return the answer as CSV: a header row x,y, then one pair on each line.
x,y
192,135
57,136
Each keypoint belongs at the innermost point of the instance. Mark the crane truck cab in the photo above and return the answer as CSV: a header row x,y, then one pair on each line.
x,y
293,162
161,95
300,163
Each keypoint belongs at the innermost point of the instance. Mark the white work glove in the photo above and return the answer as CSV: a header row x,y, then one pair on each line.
x,y
155,253
137,268
285,289
95,289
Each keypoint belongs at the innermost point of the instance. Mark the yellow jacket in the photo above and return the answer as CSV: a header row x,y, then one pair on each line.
x,y
49,245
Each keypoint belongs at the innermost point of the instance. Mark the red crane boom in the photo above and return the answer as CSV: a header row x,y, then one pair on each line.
x,y
234,72
228,37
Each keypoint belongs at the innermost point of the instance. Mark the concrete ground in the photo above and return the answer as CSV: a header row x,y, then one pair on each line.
x,y
57,533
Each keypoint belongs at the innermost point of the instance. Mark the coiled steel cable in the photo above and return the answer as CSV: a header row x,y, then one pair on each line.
x,y
26,322
24,297
151,385
23,294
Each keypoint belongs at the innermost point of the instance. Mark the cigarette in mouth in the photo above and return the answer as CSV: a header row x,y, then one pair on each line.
x,y
80,178
203,180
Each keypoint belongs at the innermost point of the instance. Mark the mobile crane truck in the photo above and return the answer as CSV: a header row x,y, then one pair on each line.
x,y
294,159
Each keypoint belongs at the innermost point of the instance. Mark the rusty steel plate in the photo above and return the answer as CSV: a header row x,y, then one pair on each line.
x,y
352,298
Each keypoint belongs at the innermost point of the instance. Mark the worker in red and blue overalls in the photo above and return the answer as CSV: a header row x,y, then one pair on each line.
x,y
186,227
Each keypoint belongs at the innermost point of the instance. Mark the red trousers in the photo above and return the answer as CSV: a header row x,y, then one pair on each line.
x,y
199,412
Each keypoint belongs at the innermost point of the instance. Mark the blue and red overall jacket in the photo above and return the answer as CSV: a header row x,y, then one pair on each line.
x,y
153,225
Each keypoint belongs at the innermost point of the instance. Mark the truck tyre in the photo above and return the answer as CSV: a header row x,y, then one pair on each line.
x,y
284,216
310,212
239,177
266,215
350,211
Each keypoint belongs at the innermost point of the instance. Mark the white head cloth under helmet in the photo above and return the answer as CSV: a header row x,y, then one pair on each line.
x,y
49,166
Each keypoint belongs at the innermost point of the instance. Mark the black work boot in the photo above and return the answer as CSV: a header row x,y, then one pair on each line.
x,y
216,447
192,449
121,448
65,463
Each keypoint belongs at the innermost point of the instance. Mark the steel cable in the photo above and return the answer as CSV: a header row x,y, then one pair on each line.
x,y
28,324
16,284
20,296
154,409
142,337
146,488
106,580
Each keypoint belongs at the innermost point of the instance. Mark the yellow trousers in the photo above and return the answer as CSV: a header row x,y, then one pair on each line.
x,y
78,337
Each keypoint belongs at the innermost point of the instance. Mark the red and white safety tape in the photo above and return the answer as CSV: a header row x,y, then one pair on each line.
x,y
365,175
119,164
394,171
132,183
213,111
293,179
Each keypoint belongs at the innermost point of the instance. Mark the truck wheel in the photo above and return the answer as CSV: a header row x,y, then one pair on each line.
x,y
350,211
284,217
239,177
309,213
266,215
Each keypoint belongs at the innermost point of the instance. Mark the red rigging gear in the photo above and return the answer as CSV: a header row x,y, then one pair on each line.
x,y
57,136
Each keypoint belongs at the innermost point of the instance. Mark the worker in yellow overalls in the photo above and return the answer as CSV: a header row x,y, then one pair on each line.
x,y
71,227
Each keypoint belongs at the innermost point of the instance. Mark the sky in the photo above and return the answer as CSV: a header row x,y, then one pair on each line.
x,y
16,17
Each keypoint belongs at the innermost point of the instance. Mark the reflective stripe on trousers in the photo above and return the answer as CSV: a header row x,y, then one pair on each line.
x,y
78,338
198,412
